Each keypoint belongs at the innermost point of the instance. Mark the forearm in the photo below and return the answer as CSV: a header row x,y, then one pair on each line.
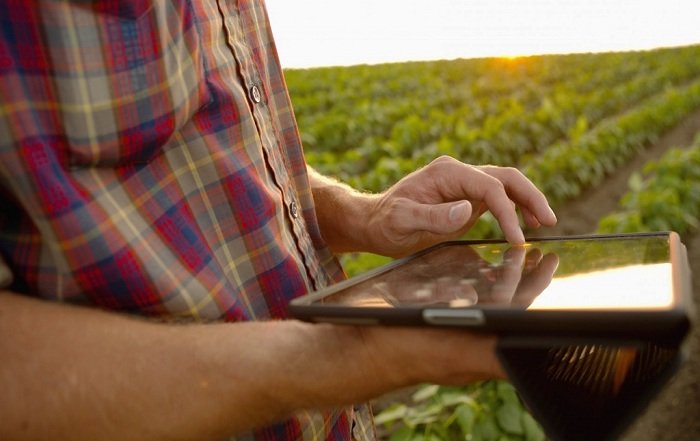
x,y
78,373
342,213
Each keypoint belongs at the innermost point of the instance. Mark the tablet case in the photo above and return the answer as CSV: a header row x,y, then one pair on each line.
x,y
590,390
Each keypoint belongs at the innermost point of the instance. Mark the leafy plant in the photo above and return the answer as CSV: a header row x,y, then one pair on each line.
x,y
488,411
665,197
567,168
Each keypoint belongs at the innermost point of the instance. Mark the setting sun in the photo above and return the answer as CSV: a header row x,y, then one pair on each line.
x,y
333,32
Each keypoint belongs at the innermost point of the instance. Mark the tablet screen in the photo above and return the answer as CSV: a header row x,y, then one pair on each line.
x,y
582,274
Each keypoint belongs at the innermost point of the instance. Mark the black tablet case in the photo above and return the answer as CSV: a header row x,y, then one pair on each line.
x,y
569,388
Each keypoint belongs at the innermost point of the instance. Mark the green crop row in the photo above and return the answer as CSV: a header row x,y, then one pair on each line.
x,y
567,168
666,196
511,136
372,140
445,84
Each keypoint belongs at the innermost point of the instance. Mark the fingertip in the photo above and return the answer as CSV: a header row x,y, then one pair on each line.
x,y
551,261
516,237
550,218
534,256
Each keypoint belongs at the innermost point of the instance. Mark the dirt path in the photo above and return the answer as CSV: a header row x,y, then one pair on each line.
x,y
675,414
581,215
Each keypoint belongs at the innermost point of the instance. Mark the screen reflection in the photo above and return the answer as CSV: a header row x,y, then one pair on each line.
x,y
630,287
608,273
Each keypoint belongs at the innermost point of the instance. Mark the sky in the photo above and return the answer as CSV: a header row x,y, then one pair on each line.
x,y
344,32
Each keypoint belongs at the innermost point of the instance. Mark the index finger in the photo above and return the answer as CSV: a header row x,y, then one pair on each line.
x,y
524,193
490,189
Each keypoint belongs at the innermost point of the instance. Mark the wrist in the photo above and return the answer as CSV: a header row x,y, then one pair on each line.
x,y
343,214
374,359
350,365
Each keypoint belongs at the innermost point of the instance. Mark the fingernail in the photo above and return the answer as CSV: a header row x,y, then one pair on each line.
x,y
519,237
458,212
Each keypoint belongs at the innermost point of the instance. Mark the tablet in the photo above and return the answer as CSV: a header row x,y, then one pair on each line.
x,y
590,327
624,286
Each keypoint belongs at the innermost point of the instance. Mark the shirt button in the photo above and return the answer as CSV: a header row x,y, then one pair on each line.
x,y
294,210
255,94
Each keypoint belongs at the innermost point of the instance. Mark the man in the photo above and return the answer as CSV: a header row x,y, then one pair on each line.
x,y
151,166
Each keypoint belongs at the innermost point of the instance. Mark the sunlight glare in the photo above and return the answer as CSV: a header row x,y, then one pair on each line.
x,y
639,287
334,32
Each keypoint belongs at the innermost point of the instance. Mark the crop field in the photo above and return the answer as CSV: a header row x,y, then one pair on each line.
x,y
612,139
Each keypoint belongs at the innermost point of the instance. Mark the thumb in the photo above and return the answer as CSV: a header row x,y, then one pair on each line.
x,y
440,218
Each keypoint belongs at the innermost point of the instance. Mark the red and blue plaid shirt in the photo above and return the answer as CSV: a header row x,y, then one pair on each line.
x,y
150,163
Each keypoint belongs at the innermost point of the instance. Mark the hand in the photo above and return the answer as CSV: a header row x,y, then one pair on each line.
x,y
443,200
408,355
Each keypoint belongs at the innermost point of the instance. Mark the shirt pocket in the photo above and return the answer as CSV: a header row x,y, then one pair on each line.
x,y
127,79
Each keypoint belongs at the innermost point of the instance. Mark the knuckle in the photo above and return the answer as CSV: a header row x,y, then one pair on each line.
x,y
446,165
434,216
508,171
513,171
398,205
442,162
495,194
397,210
494,185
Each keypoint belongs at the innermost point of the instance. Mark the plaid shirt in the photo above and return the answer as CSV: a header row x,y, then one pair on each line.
x,y
150,163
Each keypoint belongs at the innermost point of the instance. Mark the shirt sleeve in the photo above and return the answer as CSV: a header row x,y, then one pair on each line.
x,y
5,274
